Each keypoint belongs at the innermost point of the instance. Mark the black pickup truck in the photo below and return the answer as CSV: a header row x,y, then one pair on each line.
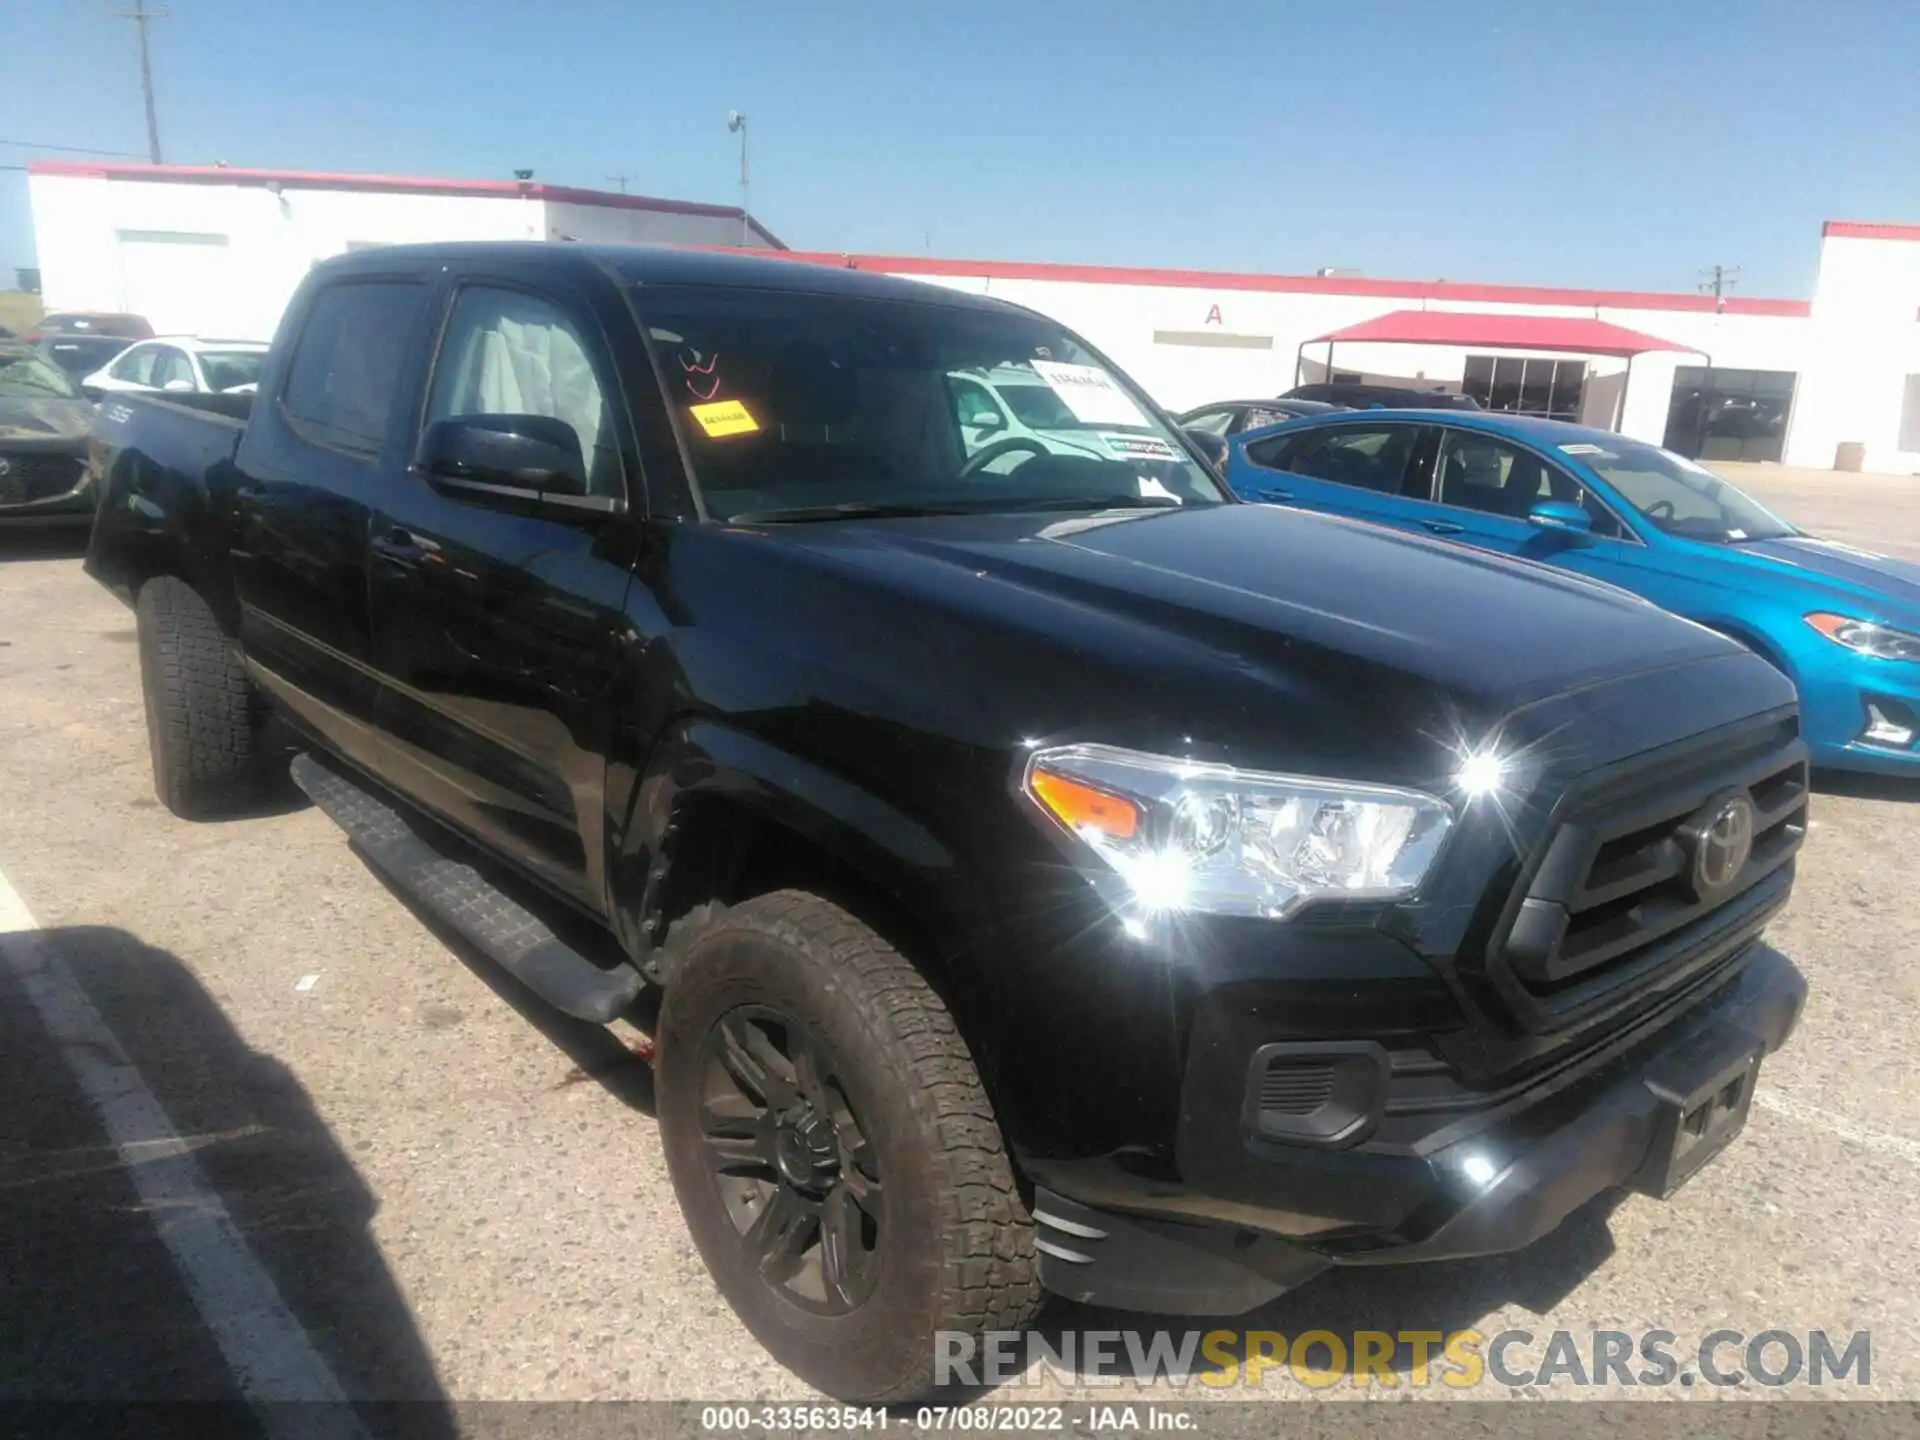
x,y
1059,875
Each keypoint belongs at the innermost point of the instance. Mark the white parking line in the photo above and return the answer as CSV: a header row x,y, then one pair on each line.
x,y
1876,1140
271,1357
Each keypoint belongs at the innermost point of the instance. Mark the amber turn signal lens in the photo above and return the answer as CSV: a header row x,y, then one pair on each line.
x,y
1081,807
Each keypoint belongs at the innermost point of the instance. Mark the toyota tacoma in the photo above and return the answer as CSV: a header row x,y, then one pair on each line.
x,y
1055,874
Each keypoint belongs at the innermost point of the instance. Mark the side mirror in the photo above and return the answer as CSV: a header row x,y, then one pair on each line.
x,y
515,457
177,387
987,420
93,393
1562,517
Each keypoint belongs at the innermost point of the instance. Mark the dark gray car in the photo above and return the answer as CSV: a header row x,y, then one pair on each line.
x,y
44,420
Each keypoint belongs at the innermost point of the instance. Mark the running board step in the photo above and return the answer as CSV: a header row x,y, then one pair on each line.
x,y
463,899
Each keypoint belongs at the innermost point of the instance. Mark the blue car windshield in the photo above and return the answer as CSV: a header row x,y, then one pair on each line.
x,y
1679,497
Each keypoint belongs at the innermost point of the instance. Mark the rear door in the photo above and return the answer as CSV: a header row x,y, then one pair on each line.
x,y
1364,469
323,441
498,622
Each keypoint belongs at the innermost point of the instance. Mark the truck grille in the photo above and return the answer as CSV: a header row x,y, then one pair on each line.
x,y
26,478
1671,860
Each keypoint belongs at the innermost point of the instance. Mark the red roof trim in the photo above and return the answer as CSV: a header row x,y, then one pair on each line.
x,y
1574,334
389,185
1868,230
1302,284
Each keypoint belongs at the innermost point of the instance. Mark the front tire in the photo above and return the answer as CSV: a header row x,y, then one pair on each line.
x,y
203,718
834,1151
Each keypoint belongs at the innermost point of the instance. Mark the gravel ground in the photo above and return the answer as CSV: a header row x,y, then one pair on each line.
x,y
461,1194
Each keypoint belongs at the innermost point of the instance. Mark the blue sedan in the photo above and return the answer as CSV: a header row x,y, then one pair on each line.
x,y
1844,623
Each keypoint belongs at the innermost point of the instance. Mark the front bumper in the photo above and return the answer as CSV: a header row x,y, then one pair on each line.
x,y
1494,1181
34,502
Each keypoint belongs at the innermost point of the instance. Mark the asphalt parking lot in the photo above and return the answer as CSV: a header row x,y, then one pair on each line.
x,y
458,1193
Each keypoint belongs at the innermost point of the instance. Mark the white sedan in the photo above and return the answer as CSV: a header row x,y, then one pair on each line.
x,y
179,363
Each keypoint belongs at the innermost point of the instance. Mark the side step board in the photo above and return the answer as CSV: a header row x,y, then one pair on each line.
x,y
459,896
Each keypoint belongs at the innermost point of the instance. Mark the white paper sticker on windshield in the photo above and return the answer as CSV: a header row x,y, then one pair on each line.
x,y
1139,447
1736,534
1089,392
1152,489
1582,448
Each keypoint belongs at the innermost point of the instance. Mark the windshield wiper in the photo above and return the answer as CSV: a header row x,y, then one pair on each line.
x,y
1097,502
851,510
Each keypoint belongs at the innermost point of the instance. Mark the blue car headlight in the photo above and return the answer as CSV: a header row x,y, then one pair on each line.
x,y
1865,637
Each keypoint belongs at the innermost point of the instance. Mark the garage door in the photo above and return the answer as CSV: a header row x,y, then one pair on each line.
x,y
179,280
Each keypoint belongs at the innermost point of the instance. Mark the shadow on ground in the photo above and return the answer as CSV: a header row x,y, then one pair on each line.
x,y
92,1305
51,542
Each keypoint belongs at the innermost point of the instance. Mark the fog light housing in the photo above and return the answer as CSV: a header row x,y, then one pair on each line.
x,y
1888,724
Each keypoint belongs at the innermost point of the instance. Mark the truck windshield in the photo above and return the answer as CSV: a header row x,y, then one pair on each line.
x,y
799,406
1680,497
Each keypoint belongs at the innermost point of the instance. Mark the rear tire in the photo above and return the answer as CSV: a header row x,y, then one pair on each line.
x,y
204,719
873,1127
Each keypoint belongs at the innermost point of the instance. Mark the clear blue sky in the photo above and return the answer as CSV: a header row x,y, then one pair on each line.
x,y
1613,143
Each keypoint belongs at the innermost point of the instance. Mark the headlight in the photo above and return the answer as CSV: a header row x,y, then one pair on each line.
x,y
1213,838
1882,642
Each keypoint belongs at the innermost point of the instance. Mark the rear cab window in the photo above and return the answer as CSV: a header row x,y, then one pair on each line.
x,y
340,387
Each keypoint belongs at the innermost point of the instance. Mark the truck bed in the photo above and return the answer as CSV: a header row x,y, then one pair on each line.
x,y
159,462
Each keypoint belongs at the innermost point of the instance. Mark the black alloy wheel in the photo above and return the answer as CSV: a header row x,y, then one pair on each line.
x,y
790,1159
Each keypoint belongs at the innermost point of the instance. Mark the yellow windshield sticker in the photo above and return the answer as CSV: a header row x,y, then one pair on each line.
x,y
721,418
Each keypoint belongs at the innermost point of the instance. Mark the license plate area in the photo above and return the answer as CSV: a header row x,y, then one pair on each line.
x,y
1704,1095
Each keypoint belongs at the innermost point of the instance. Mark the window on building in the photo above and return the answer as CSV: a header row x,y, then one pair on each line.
x,y
1553,388
346,363
1719,414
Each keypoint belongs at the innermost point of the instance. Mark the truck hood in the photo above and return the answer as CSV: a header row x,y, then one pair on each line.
x,y
1251,634
1261,580
1885,585
44,420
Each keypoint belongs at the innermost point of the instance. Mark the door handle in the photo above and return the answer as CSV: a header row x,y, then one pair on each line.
x,y
399,543
1443,527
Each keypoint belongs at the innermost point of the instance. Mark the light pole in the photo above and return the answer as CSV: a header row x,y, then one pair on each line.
x,y
142,18
737,123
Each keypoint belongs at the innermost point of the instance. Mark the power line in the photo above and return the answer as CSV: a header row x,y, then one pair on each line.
x,y
71,149
620,180
142,19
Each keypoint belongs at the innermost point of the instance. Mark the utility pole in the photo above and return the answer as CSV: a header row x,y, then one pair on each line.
x,y
142,18
1716,281
737,123
620,180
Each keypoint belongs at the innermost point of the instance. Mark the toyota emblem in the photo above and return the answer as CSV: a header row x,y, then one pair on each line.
x,y
1721,836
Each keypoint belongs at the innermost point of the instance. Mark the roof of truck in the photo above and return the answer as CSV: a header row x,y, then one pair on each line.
x,y
671,265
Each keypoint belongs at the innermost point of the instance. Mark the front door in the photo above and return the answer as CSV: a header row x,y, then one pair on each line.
x,y
498,623
1485,487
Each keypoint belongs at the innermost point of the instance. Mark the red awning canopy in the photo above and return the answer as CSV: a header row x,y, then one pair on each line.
x,y
1501,332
